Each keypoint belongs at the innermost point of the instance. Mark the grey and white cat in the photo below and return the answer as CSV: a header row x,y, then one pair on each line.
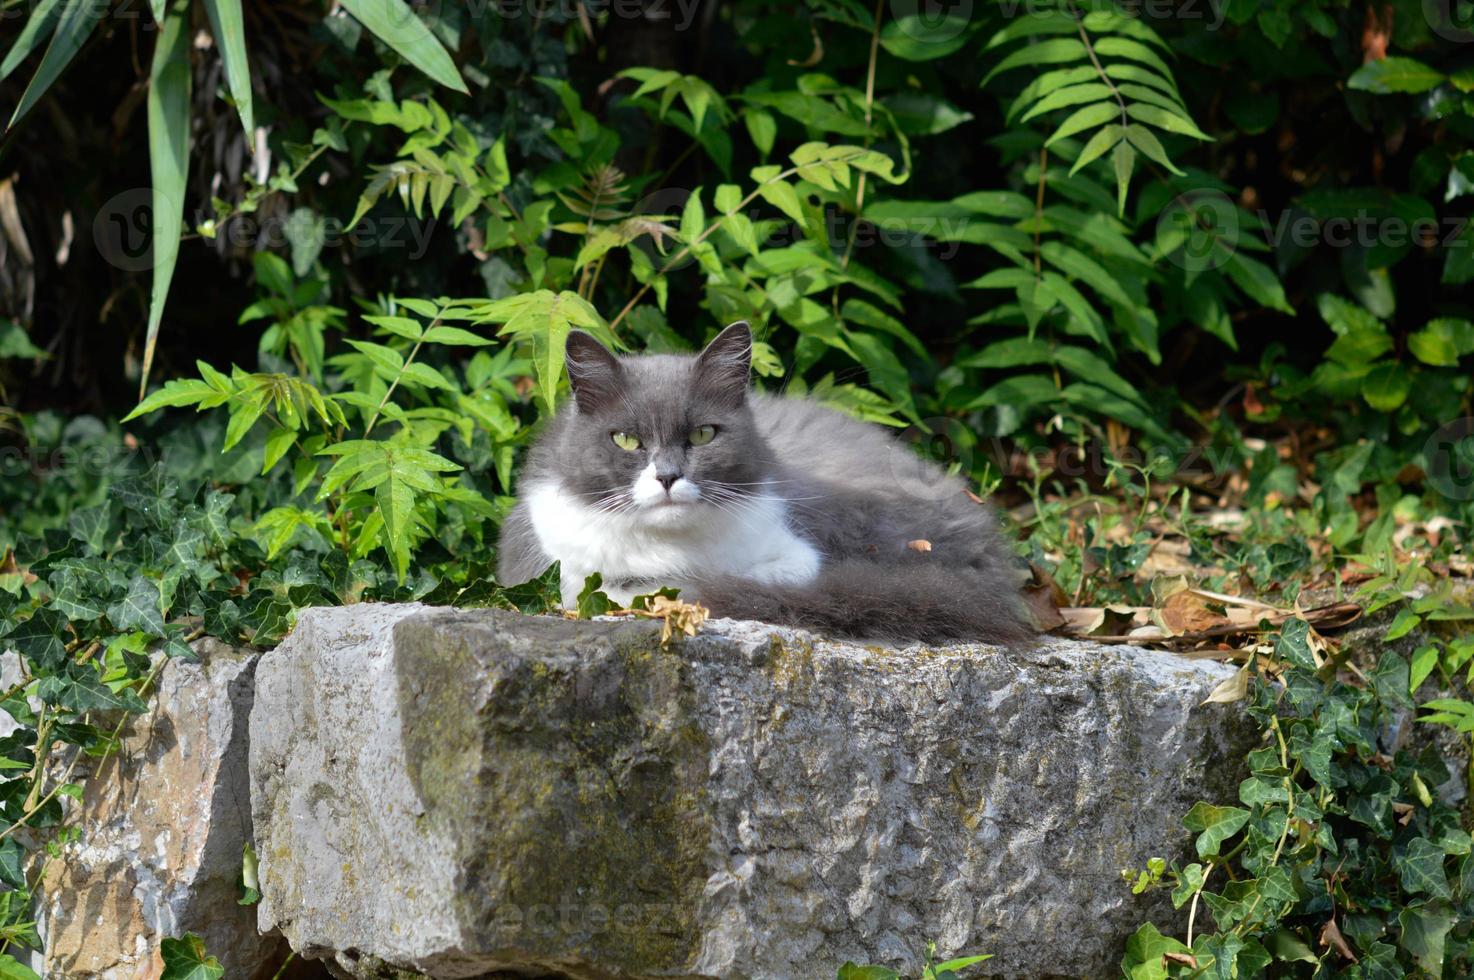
x,y
667,470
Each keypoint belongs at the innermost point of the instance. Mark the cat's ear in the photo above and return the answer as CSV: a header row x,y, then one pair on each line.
x,y
593,372
722,369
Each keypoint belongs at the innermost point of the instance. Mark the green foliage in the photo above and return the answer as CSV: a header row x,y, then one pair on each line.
x,y
69,26
1340,860
931,969
186,959
1062,225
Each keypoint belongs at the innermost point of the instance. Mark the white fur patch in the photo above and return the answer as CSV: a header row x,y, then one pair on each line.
x,y
648,491
668,543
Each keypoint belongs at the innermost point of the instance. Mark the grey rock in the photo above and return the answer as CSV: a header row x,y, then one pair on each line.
x,y
460,793
163,823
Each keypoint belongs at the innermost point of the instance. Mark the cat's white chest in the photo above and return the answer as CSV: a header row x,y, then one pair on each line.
x,y
753,540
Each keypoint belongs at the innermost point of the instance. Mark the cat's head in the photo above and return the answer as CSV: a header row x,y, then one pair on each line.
x,y
663,437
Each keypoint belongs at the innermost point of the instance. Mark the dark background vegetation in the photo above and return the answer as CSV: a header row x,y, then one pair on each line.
x,y
1184,409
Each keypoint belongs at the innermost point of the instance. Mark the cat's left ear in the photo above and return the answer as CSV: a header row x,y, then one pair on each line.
x,y
722,369
593,372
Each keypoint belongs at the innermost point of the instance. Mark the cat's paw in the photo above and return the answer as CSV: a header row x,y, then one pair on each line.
x,y
798,565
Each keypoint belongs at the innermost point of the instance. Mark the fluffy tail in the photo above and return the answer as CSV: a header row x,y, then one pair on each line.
x,y
858,598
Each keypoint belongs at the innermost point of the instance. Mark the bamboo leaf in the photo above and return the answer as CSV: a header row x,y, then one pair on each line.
x,y
168,154
230,37
398,25
73,28
42,20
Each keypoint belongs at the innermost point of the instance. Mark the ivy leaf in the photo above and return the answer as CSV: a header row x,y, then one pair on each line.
x,y
140,609
1293,645
250,876
13,969
89,526
77,593
1380,963
40,639
12,863
1189,880
851,971
592,602
1420,869
83,690
1214,825
1424,929
186,959
1144,952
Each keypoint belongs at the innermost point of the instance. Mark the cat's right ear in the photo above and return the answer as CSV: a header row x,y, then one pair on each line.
x,y
593,372
724,367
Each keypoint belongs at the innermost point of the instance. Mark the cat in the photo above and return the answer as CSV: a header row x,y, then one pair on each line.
x,y
667,470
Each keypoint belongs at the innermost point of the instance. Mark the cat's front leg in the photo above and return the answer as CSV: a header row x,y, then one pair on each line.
x,y
571,584
793,562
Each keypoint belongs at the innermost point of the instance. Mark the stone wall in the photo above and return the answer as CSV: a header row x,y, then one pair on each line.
x,y
445,793
463,793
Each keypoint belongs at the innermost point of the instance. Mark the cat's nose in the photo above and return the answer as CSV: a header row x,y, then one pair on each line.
x,y
667,480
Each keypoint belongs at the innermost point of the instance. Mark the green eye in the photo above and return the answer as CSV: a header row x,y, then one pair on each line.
x,y
625,441
702,434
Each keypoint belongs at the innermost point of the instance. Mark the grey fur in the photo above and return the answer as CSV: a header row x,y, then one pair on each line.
x,y
857,494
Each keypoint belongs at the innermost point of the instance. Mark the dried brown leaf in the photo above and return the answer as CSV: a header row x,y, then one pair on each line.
x,y
1330,935
676,615
1187,612
1235,688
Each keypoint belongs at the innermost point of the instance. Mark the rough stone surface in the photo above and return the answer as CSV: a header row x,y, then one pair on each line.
x,y
460,793
162,828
